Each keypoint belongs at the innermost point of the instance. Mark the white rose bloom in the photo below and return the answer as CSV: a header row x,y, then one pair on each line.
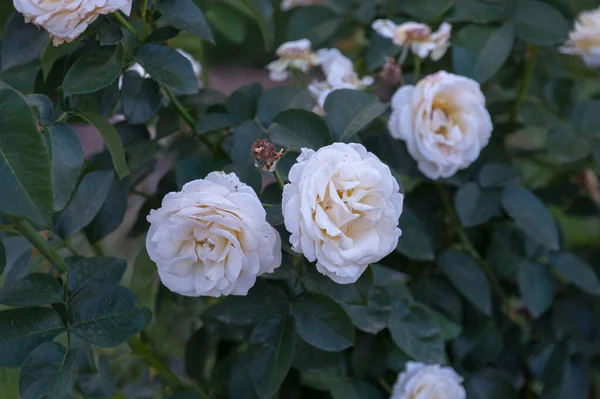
x,y
65,20
212,238
418,36
443,121
584,40
342,207
292,55
289,4
421,381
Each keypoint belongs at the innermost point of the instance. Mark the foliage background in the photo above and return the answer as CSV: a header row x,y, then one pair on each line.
x,y
495,273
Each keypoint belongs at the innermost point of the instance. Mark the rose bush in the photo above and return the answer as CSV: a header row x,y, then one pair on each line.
x,y
405,207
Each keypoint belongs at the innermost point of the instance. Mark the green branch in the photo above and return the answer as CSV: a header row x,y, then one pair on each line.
x,y
186,117
25,228
123,22
529,66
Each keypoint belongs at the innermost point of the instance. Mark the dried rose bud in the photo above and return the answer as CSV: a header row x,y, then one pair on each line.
x,y
391,72
264,154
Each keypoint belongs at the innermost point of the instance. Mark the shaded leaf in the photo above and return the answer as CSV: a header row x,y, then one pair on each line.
x,y
475,206
537,286
281,98
90,273
296,129
547,28
416,241
186,16
22,42
168,67
140,98
94,70
349,111
35,289
575,270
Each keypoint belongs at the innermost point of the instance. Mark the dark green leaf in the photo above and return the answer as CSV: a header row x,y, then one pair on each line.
x,y
468,278
46,372
25,169
243,163
67,161
296,129
585,118
168,67
480,11
475,206
162,35
227,22
110,216
506,249
243,102
369,357
262,12
35,289
144,280
374,316
565,146
262,301
240,384
22,330
530,214
106,317
22,42
85,204
307,357
415,241
537,286
217,121
140,98
576,271
198,350
91,273
547,28
189,169
424,9
349,111
98,385
478,52
270,354
278,99
94,70
379,49
323,323
110,34
494,174
275,215
111,140
323,24
186,16
44,106
489,384
384,276
321,284
416,332
2,257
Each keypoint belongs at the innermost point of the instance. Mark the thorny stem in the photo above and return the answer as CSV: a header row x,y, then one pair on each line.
x,y
144,22
530,56
123,22
466,241
25,228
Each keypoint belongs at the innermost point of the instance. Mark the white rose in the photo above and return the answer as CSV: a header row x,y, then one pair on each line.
x,y
296,55
212,238
584,40
443,121
67,19
418,36
421,381
342,207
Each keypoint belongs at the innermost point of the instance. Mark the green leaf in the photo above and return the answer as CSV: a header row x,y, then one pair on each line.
x,y
281,98
140,97
168,67
530,214
92,273
111,214
240,384
494,174
262,12
576,271
262,301
321,284
275,215
323,24
46,372
67,161
144,280
216,121
35,289
566,146
415,241
307,357
2,257
323,323
106,317
189,169
489,383
227,22
94,70
85,204
111,140
474,206
270,354
416,332
243,163
585,118
186,16
44,106
547,28
369,357
296,129
379,49
22,330
349,111
506,249
22,42
480,11
243,102
97,385
468,278
373,317
110,33
537,286
25,169
478,52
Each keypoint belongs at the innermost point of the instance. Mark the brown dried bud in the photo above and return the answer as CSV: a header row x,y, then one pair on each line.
x,y
264,154
391,72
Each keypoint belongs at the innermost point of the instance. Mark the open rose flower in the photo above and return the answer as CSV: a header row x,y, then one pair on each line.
x,y
296,55
443,121
212,238
65,20
421,381
342,207
584,39
417,36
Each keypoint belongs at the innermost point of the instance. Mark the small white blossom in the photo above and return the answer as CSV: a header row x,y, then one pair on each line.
x,y
417,36
584,39
296,55
421,381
